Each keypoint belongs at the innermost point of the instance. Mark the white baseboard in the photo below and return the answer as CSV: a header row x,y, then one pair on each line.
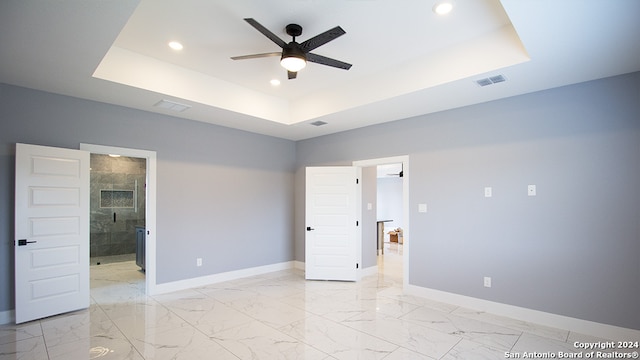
x,y
216,278
299,265
604,331
7,317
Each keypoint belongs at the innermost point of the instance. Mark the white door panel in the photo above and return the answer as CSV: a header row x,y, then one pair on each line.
x,y
55,226
41,197
51,231
331,236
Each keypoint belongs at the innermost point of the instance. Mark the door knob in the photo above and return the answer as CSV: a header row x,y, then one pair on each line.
x,y
23,242
309,228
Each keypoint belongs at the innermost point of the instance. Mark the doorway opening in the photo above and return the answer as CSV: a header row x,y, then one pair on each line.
x,y
117,199
390,220
117,209
399,253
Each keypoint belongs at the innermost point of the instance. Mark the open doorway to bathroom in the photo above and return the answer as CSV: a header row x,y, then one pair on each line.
x,y
145,281
117,221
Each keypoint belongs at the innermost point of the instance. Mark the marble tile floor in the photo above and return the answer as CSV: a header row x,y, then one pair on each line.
x,y
273,316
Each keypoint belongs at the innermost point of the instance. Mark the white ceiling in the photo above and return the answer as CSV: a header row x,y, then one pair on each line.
x,y
407,60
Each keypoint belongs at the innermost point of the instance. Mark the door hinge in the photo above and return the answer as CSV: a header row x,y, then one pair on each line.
x,y
357,181
356,265
357,223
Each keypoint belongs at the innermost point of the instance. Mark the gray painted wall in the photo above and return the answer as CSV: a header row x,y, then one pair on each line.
x,y
369,219
223,195
571,250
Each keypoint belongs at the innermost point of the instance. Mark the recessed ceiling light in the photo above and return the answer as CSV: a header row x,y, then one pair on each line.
x,y
175,45
443,7
275,82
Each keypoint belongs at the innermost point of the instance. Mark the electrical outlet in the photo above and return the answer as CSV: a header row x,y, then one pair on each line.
x,y
531,190
487,281
199,262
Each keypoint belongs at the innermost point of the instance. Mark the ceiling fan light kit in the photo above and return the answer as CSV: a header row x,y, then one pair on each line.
x,y
293,59
292,63
294,56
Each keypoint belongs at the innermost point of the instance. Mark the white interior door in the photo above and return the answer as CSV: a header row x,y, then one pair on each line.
x,y
331,233
51,231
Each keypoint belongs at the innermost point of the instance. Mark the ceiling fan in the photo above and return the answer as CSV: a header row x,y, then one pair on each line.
x,y
294,56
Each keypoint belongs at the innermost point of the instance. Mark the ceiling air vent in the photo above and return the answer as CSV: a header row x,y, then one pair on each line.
x,y
497,79
171,105
491,80
484,82
318,123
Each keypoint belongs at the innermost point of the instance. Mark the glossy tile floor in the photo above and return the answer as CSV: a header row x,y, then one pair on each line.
x,y
273,316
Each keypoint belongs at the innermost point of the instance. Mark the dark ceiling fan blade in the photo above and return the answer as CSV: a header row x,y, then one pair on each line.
x,y
266,32
322,39
292,75
319,59
255,56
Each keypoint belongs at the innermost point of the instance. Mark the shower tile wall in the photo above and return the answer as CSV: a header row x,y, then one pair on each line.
x,y
111,173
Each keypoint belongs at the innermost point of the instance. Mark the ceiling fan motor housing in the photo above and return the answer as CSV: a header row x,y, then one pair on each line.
x,y
293,50
293,30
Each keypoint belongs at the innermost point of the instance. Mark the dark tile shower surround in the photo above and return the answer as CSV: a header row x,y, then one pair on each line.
x,y
113,188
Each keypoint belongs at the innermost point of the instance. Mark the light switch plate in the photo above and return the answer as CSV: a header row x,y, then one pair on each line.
x,y
488,192
369,206
422,208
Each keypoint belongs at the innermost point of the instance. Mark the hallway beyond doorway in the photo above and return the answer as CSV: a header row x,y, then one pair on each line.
x,y
390,264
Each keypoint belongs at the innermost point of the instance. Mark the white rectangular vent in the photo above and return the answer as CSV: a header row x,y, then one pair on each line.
x,y
484,82
172,105
491,80
497,79
318,123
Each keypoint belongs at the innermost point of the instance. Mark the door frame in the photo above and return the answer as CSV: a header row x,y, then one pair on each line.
x,y
150,204
404,159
